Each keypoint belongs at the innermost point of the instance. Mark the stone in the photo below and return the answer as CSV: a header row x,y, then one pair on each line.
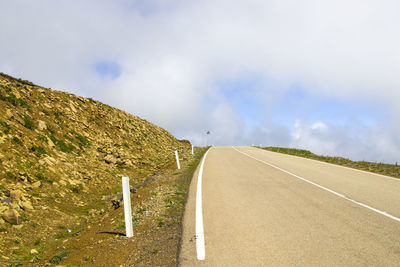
x,y
42,125
16,194
15,205
50,143
110,159
26,205
11,216
36,184
9,113
34,252
72,107
49,160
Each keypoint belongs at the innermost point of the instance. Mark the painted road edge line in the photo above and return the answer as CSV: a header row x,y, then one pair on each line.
x,y
335,165
200,247
324,188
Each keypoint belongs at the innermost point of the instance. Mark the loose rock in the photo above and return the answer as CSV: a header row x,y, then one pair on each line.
x,y
26,205
110,159
36,184
42,126
11,216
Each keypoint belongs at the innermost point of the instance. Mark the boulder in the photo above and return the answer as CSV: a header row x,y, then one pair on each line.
x,y
9,113
11,216
42,126
110,159
36,184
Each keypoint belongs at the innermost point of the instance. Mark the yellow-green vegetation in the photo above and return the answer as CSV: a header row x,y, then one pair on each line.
x,y
62,157
392,170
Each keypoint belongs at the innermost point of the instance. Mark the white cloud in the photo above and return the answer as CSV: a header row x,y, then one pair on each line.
x,y
172,53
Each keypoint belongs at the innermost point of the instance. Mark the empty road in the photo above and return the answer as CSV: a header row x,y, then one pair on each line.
x,y
260,208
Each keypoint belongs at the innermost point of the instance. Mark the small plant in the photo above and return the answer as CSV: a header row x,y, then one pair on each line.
x,y
42,138
40,176
17,141
160,221
28,123
11,175
83,141
62,145
12,99
58,115
38,150
56,259
119,226
62,235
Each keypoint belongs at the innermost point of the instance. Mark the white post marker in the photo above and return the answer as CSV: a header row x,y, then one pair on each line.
x,y
192,149
127,206
177,159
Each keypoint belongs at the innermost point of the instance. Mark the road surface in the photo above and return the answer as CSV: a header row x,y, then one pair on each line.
x,y
262,208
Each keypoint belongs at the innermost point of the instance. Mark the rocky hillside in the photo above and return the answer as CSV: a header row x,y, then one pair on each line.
x,y
62,158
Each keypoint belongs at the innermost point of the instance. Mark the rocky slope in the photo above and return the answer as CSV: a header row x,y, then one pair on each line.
x,y
61,161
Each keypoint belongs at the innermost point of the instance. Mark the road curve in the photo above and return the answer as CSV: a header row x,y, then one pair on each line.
x,y
257,211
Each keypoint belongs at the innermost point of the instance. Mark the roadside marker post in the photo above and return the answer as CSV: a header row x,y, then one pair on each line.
x,y
177,159
192,149
127,206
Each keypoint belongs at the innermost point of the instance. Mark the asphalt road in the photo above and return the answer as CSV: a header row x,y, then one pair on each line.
x,y
262,208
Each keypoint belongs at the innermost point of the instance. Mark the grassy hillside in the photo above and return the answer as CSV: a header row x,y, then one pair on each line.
x,y
61,161
380,168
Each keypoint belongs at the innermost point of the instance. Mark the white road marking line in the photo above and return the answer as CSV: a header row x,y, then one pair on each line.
x,y
324,188
340,166
200,248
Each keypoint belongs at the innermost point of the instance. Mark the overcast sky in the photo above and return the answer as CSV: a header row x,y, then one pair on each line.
x,y
320,75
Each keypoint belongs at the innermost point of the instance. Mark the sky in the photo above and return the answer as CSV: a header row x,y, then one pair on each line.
x,y
310,74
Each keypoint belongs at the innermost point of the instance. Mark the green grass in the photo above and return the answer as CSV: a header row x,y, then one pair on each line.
x,y
62,235
62,145
28,123
38,150
11,175
119,226
56,259
379,168
160,221
16,140
83,141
